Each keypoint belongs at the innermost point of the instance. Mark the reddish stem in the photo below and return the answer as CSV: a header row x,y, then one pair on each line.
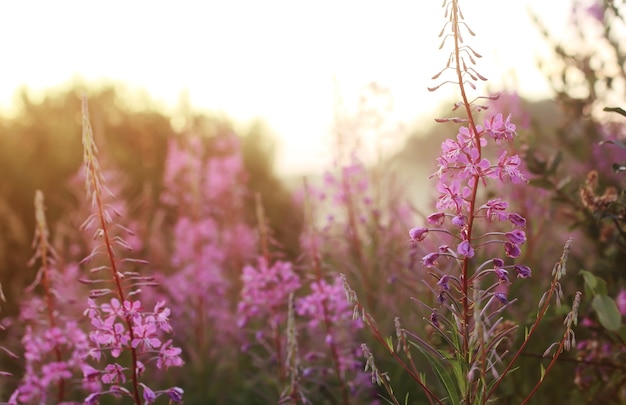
x,y
97,194
43,251
329,327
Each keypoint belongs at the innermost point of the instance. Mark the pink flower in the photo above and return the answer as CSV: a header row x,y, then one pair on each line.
x,y
500,130
418,234
266,289
516,236
509,167
148,394
169,356
453,196
145,336
325,300
465,249
113,374
496,209
161,317
517,220
430,260
522,271
132,308
436,219
512,250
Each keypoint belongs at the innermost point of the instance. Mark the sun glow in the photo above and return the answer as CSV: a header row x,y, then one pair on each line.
x,y
282,61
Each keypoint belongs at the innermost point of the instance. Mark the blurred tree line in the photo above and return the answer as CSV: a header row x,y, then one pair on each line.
x,y
40,148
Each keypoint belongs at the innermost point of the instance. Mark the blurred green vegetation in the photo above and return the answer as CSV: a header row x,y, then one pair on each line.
x,y
40,148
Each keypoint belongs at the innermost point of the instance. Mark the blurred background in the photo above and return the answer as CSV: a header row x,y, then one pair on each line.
x,y
286,63
330,90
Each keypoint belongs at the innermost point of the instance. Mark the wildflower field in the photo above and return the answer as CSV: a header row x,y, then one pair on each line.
x,y
170,265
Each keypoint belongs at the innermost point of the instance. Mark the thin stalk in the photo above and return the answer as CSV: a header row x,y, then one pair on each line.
x,y
472,199
94,179
264,242
317,267
531,332
43,244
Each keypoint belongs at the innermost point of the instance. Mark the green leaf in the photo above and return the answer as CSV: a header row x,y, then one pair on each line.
x,y
596,285
608,314
389,343
443,372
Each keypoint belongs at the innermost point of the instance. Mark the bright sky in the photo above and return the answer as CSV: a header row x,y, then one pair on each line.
x,y
285,61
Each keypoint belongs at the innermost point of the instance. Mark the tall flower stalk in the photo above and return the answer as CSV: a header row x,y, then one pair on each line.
x,y
481,242
54,344
120,325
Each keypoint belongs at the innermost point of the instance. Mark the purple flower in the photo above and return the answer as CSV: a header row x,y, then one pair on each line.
x,y
418,234
92,399
434,318
517,220
169,356
502,274
113,374
89,373
512,250
501,297
500,130
453,196
509,167
132,308
144,335
496,209
161,317
465,249
443,283
471,164
265,289
522,271
459,220
516,236
325,302
175,394
148,395
430,259
436,219
114,309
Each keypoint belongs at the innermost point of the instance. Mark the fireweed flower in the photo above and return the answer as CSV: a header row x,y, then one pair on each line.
x,y
327,312
333,295
120,324
266,290
55,346
205,191
478,227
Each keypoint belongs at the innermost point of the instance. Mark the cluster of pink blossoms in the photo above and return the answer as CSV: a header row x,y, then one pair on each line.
x,y
462,167
328,311
41,372
110,334
265,292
